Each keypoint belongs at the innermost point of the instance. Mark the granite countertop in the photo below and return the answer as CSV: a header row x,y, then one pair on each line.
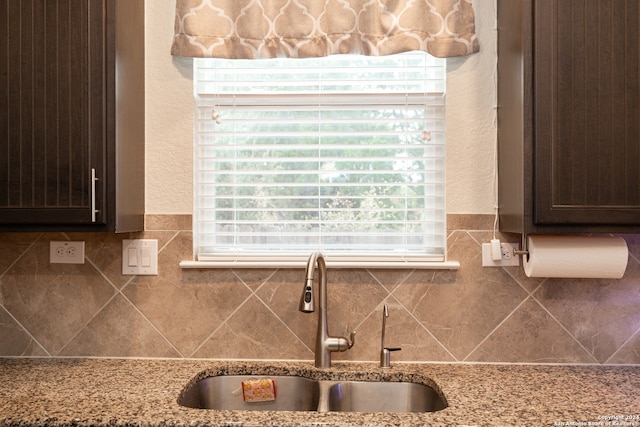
x,y
135,392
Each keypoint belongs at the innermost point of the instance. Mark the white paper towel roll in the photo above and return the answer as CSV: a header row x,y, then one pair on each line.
x,y
576,257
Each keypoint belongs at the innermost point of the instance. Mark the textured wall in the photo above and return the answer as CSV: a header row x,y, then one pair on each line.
x,y
471,132
471,314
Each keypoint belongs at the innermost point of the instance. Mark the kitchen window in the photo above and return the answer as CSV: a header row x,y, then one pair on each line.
x,y
344,154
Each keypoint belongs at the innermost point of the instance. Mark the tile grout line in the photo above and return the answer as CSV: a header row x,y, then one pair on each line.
x,y
502,322
169,241
279,319
373,311
100,309
224,322
444,347
422,325
565,329
26,331
151,324
86,258
118,291
634,335
22,254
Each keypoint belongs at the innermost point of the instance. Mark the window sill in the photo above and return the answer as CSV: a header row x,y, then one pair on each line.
x,y
301,263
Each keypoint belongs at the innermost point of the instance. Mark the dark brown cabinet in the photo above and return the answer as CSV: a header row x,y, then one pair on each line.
x,y
72,115
569,116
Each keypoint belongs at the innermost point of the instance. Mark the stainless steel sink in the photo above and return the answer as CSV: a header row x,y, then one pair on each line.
x,y
295,393
361,396
225,392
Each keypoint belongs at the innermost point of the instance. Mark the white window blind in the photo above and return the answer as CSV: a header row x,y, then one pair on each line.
x,y
344,154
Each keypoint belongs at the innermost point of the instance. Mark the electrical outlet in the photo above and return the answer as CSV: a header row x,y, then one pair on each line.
x,y
509,258
63,252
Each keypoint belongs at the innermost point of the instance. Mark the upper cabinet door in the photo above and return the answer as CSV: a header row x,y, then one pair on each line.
x,y
52,111
72,115
586,112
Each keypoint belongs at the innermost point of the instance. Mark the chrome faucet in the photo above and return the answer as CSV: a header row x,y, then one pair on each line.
x,y
325,344
385,352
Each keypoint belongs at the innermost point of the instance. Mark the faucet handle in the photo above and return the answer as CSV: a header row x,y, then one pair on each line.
x,y
341,343
352,339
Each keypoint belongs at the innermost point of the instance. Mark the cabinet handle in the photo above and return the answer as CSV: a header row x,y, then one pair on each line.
x,y
94,211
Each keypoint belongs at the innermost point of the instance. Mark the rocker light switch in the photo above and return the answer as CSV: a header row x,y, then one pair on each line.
x,y
133,257
140,257
145,261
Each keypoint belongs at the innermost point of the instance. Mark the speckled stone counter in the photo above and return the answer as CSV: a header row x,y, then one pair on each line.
x,y
116,392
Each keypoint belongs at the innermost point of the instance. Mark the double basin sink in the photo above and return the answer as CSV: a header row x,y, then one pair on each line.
x,y
296,393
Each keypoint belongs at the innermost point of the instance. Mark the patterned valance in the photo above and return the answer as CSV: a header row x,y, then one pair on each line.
x,y
241,29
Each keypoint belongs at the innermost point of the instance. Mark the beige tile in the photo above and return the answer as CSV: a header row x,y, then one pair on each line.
x,y
186,313
53,301
390,279
165,237
469,222
402,330
14,340
530,335
353,295
281,293
186,305
601,314
628,353
119,331
531,284
104,250
168,222
12,246
255,277
254,332
460,308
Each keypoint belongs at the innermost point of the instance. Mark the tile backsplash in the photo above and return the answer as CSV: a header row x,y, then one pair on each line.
x,y
473,314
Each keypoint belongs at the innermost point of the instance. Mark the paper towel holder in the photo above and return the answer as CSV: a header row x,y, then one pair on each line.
x,y
574,256
524,251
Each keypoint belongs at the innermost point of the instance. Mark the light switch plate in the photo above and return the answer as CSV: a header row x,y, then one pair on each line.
x,y
140,257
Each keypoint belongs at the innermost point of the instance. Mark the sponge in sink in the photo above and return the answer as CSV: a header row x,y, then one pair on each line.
x,y
259,390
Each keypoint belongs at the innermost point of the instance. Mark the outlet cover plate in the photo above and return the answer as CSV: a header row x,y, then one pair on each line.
x,y
509,259
66,252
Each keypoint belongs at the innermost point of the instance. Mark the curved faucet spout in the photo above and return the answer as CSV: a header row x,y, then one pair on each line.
x,y
308,300
325,344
